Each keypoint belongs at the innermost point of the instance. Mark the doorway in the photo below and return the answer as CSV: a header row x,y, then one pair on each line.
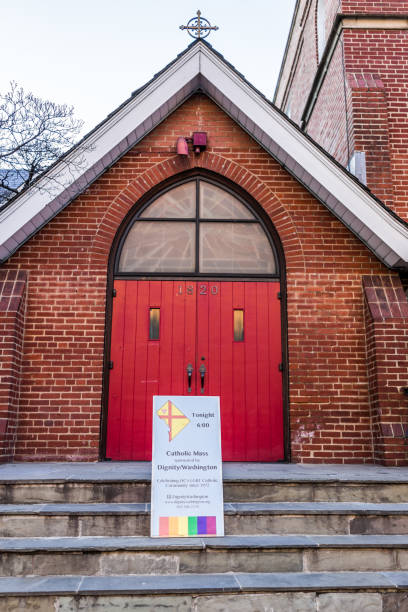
x,y
197,310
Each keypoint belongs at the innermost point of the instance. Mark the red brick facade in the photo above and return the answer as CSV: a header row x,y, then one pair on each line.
x,y
387,359
331,407
358,91
386,7
353,99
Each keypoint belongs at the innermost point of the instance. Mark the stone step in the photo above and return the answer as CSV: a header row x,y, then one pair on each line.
x,y
139,492
141,555
130,483
75,520
297,592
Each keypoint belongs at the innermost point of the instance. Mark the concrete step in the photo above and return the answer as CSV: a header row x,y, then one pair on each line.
x,y
297,592
141,555
75,520
129,482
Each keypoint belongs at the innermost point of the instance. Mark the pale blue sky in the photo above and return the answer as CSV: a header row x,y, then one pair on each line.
x,y
94,53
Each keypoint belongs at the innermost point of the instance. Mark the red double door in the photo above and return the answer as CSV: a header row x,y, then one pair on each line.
x,y
197,338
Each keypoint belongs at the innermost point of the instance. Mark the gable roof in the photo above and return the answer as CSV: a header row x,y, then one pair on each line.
x,y
201,68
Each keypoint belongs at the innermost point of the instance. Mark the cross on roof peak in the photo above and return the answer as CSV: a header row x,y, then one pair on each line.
x,y
198,27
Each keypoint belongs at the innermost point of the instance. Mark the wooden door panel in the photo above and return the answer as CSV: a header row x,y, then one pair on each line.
x,y
128,370
144,367
245,374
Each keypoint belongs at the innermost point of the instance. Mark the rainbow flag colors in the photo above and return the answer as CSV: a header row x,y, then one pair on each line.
x,y
187,526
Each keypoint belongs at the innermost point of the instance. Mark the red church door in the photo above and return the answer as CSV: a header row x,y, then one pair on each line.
x,y
198,337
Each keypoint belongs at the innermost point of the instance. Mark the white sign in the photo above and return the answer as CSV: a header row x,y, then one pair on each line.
x,y
187,499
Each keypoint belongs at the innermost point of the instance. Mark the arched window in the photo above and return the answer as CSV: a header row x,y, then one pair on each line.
x,y
196,228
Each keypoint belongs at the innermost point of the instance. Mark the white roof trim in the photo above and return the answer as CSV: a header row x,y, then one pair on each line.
x,y
378,228
97,145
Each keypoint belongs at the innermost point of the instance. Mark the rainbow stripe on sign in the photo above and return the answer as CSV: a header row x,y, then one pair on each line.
x,y
184,526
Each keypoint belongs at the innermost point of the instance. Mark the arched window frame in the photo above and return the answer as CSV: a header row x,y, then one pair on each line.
x,y
137,217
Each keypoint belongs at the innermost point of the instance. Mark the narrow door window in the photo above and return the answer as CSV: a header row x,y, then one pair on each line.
x,y
154,324
238,325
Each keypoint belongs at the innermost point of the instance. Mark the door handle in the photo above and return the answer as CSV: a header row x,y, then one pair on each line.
x,y
189,375
202,376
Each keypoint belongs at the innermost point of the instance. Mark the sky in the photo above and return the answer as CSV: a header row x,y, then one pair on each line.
x,y
93,53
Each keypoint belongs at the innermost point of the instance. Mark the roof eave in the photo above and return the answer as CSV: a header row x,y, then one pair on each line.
x,y
201,67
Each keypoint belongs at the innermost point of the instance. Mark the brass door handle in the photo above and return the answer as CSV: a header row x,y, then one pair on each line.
x,y
189,376
202,376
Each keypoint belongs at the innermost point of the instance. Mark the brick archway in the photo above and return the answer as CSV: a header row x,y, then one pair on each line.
x,y
267,199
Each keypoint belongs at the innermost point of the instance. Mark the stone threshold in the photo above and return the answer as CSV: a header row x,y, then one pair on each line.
x,y
204,583
142,543
140,471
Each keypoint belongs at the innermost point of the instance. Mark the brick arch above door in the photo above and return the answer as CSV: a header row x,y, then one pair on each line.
x,y
246,180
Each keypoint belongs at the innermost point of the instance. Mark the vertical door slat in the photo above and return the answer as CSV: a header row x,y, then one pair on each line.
x,y
275,376
215,363
140,361
226,379
128,372
189,335
167,338
115,375
250,373
240,421
202,336
153,366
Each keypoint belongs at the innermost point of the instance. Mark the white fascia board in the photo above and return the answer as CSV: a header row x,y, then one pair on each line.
x,y
98,144
303,151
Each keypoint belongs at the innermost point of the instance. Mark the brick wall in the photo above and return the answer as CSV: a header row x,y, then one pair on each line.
x,y
363,109
61,393
12,313
374,6
371,131
367,111
382,53
302,64
302,54
331,122
387,361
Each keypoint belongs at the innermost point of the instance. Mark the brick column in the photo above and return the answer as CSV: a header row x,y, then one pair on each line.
x,y
12,311
386,317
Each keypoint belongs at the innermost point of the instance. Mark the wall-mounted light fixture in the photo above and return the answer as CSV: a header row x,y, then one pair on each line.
x,y
182,146
199,142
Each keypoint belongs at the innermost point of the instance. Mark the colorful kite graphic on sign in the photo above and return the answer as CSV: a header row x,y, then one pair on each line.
x,y
174,419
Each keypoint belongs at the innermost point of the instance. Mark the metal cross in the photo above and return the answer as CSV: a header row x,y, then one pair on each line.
x,y
198,27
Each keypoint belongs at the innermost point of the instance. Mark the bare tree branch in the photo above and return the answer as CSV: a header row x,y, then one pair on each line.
x,y
34,133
